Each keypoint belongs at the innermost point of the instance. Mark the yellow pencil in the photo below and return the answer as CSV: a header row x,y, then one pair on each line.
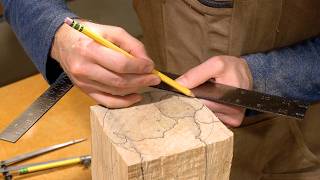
x,y
51,165
110,45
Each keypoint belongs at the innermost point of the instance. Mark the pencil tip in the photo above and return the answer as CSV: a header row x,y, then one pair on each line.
x,y
79,140
191,94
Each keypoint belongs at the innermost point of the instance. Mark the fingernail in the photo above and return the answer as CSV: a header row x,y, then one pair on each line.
x,y
181,80
148,69
149,66
138,98
155,81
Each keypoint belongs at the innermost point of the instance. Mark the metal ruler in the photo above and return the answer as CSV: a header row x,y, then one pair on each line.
x,y
249,99
212,91
37,109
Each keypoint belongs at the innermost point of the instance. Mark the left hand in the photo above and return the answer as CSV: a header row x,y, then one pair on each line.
x,y
227,70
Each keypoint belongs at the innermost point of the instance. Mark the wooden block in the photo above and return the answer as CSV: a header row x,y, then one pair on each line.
x,y
167,136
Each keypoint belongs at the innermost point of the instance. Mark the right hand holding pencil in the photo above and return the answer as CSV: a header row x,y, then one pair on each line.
x,y
109,77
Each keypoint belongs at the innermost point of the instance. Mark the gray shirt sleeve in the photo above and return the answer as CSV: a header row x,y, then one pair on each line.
x,y
35,23
290,72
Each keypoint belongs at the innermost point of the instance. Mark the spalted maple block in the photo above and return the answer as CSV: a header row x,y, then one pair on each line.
x,y
166,136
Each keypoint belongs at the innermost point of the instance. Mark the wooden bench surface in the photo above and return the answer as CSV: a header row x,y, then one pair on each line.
x,y
67,120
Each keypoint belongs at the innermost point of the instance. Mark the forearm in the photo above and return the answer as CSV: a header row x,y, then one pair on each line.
x,y
290,72
35,23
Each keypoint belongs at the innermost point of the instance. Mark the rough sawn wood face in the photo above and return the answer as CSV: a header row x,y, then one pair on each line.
x,y
166,136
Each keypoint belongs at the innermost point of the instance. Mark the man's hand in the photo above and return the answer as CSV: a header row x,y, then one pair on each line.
x,y
107,76
227,70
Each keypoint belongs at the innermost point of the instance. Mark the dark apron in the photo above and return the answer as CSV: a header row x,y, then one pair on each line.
x,y
180,34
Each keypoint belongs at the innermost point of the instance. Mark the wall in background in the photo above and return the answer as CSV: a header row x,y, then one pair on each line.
x,y
111,12
15,65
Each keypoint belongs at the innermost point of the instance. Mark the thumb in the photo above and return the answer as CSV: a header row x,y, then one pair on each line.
x,y
212,68
195,76
125,41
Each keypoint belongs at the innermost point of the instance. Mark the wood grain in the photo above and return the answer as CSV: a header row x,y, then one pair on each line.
x,y
67,120
166,136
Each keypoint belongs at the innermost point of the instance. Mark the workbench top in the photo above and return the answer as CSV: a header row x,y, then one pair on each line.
x,y
67,120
